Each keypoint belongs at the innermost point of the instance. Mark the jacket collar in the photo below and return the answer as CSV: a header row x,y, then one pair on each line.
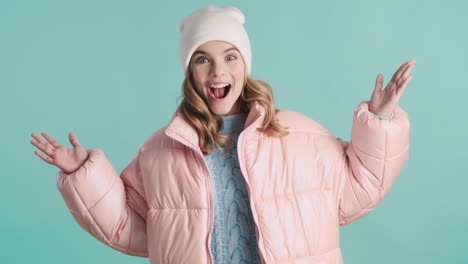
x,y
182,131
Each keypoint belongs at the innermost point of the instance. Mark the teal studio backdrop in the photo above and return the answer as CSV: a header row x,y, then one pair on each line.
x,y
109,71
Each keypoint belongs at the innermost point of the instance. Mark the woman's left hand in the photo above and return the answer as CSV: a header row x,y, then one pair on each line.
x,y
384,102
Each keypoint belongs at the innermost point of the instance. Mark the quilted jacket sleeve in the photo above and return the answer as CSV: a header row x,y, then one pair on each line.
x,y
108,206
371,161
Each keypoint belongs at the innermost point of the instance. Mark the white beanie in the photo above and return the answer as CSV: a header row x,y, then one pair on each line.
x,y
213,23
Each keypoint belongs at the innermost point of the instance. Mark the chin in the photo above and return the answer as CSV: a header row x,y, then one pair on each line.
x,y
223,111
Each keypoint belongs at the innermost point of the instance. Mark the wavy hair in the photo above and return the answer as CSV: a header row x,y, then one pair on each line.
x,y
196,111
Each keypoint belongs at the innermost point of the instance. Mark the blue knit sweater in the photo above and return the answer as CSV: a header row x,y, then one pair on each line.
x,y
233,239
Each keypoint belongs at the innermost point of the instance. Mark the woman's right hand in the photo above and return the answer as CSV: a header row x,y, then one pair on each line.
x,y
68,160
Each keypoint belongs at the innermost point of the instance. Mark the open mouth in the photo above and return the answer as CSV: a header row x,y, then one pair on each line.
x,y
220,93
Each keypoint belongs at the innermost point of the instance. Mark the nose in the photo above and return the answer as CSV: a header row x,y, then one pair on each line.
x,y
217,69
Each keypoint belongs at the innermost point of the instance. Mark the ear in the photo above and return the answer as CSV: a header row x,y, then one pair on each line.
x,y
188,71
246,74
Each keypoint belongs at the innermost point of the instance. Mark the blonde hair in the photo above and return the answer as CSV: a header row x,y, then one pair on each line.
x,y
196,111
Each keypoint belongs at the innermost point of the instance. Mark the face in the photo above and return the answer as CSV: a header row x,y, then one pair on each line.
x,y
218,71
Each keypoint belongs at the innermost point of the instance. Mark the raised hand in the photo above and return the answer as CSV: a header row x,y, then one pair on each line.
x,y
68,160
384,102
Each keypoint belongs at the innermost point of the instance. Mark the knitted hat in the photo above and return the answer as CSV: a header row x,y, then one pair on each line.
x,y
213,23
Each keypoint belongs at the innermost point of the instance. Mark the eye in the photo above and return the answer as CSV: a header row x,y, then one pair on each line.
x,y
231,56
202,58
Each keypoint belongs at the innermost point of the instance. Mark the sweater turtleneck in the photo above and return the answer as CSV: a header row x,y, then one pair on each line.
x,y
233,239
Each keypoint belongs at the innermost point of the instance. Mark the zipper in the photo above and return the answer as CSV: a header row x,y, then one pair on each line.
x,y
209,186
244,174
210,208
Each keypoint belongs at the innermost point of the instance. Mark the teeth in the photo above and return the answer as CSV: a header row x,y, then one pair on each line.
x,y
219,85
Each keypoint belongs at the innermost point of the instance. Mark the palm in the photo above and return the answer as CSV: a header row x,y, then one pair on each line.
x,y
384,102
64,156
66,159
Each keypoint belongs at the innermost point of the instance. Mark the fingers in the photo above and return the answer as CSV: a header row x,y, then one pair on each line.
x,y
44,157
73,139
51,140
405,75
396,77
402,88
38,138
378,84
41,144
404,79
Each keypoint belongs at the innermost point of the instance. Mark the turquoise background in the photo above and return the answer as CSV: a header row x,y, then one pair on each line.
x,y
109,71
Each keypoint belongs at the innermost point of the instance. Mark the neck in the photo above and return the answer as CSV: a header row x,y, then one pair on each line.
x,y
233,123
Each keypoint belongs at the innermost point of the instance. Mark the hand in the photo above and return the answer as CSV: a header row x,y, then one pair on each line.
x,y
68,160
383,103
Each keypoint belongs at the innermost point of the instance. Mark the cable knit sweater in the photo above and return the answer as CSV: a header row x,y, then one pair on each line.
x,y
233,239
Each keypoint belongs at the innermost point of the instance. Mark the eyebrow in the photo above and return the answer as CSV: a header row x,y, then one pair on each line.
x,y
204,52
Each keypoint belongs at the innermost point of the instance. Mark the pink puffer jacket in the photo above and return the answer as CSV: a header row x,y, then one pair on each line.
x,y
302,187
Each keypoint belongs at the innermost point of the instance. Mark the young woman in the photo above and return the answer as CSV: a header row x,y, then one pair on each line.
x,y
232,179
